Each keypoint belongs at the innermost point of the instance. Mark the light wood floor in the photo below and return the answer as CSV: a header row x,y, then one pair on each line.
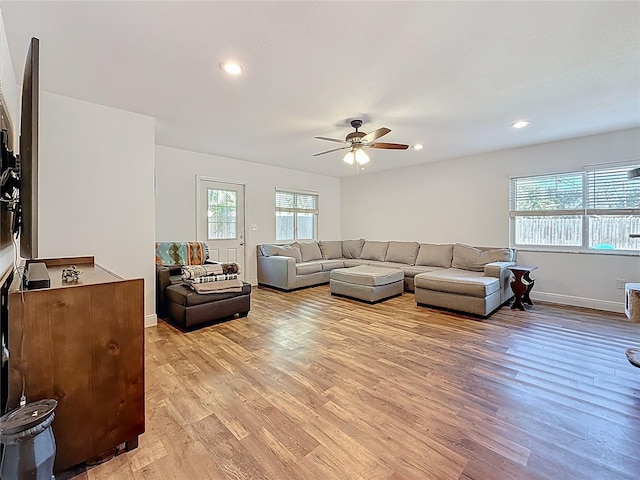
x,y
315,387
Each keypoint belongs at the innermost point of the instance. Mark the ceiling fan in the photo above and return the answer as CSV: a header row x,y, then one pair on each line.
x,y
357,141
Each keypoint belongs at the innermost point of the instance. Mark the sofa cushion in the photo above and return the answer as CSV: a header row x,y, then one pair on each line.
x,y
413,270
352,248
289,250
331,249
310,251
307,268
328,265
433,255
471,258
397,266
374,250
457,281
354,262
402,252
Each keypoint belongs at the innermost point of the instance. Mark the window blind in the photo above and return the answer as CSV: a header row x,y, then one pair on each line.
x,y
539,195
296,202
610,192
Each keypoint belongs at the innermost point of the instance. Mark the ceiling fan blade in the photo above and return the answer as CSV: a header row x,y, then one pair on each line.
x,y
389,146
330,139
329,151
376,134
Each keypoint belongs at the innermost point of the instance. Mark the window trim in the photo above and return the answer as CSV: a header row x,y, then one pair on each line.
x,y
315,212
585,212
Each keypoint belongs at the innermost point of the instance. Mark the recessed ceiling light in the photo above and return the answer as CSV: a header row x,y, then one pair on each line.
x,y
418,146
231,68
520,123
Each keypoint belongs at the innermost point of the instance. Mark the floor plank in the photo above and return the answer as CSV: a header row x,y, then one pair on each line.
x,y
311,386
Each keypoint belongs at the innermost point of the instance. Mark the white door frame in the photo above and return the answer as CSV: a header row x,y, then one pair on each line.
x,y
244,211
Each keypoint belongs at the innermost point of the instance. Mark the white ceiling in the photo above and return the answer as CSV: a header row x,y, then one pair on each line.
x,y
451,75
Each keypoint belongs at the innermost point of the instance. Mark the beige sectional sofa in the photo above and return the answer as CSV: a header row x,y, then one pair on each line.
x,y
459,277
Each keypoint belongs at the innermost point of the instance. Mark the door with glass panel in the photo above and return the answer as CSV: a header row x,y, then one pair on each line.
x,y
220,220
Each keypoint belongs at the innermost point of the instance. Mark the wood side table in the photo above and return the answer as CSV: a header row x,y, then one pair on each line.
x,y
521,285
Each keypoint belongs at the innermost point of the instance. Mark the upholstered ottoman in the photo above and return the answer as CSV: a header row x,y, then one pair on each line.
x,y
188,309
364,282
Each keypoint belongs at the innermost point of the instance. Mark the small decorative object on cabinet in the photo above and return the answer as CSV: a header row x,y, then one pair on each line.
x,y
81,343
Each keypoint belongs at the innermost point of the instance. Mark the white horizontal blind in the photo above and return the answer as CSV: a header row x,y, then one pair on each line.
x,y
611,192
296,202
545,194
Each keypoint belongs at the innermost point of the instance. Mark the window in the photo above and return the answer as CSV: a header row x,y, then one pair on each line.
x,y
296,215
221,214
592,210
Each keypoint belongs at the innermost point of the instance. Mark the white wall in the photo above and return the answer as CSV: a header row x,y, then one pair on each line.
x,y
9,92
176,172
96,187
467,200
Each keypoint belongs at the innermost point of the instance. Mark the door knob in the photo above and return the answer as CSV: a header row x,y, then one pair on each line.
x,y
241,244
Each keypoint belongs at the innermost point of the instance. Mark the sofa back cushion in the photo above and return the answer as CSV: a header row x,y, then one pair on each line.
x,y
471,258
181,253
310,251
433,255
289,250
331,249
402,252
352,248
374,250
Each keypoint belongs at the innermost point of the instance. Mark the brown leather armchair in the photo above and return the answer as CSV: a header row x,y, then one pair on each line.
x,y
165,277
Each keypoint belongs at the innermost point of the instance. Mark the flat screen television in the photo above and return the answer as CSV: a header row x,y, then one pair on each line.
x,y
28,216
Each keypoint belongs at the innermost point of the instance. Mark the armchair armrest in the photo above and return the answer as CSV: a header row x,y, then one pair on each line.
x,y
277,271
501,271
162,281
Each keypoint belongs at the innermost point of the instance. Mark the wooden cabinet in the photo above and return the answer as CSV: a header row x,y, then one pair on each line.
x,y
83,345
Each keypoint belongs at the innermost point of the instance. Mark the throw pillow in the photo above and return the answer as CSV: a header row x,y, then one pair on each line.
x,y
331,249
290,250
467,257
402,252
352,248
374,250
310,251
435,255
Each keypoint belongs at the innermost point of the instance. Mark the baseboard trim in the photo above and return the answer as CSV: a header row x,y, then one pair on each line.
x,y
606,305
150,320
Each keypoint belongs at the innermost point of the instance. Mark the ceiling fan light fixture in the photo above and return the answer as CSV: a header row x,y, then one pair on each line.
x,y
361,157
349,157
232,68
418,146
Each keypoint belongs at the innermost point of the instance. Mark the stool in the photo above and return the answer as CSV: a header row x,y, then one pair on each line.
x,y
188,310
632,301
29,445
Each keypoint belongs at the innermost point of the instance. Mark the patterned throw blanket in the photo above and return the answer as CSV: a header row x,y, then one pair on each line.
x,y
194,271
213,278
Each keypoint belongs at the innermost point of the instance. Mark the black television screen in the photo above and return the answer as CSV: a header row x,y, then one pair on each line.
x,y
29,154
